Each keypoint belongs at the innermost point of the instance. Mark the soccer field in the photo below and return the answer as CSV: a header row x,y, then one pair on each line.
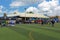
x,y
30,32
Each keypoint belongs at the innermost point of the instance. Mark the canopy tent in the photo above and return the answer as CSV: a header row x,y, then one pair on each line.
x,y
33,15
12,15
28,15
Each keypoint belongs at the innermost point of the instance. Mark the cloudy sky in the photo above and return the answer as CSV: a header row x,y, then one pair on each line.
x,y
49,7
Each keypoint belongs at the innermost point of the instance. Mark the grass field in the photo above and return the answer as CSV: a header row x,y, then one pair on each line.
x,y
30,32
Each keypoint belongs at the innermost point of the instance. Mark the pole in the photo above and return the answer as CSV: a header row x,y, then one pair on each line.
x,y
25,14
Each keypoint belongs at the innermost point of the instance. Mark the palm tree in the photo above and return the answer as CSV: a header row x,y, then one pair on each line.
x,y
5,14
30,12
15,13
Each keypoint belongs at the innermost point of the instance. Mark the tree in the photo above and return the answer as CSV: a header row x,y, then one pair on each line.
x,y
15,13
5,14
30,12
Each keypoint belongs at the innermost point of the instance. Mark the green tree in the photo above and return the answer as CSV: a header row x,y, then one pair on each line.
x,y
30,12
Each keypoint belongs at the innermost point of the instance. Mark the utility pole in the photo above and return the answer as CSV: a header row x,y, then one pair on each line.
x,y
25,14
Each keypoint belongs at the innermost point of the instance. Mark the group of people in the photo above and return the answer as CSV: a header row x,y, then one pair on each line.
x,y
41,21
50,21
13,22
7,23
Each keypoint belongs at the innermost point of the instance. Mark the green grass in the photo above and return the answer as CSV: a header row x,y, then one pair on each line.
x,y
30,32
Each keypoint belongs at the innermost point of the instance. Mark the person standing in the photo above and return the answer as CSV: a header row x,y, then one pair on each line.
x,y
52,22
42,22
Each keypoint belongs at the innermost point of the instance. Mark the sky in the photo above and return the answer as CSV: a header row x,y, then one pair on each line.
x,y
49,7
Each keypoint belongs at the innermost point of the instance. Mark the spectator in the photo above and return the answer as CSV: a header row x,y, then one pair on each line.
x,y
52,22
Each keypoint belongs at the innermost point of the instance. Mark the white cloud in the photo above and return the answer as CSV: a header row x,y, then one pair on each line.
x,y
17,4
1,7
54,3
32,9
31,1
12,11
48,7
57,11
0,11
44,6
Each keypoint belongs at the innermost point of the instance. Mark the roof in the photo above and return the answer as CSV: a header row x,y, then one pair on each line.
x,y
28,15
